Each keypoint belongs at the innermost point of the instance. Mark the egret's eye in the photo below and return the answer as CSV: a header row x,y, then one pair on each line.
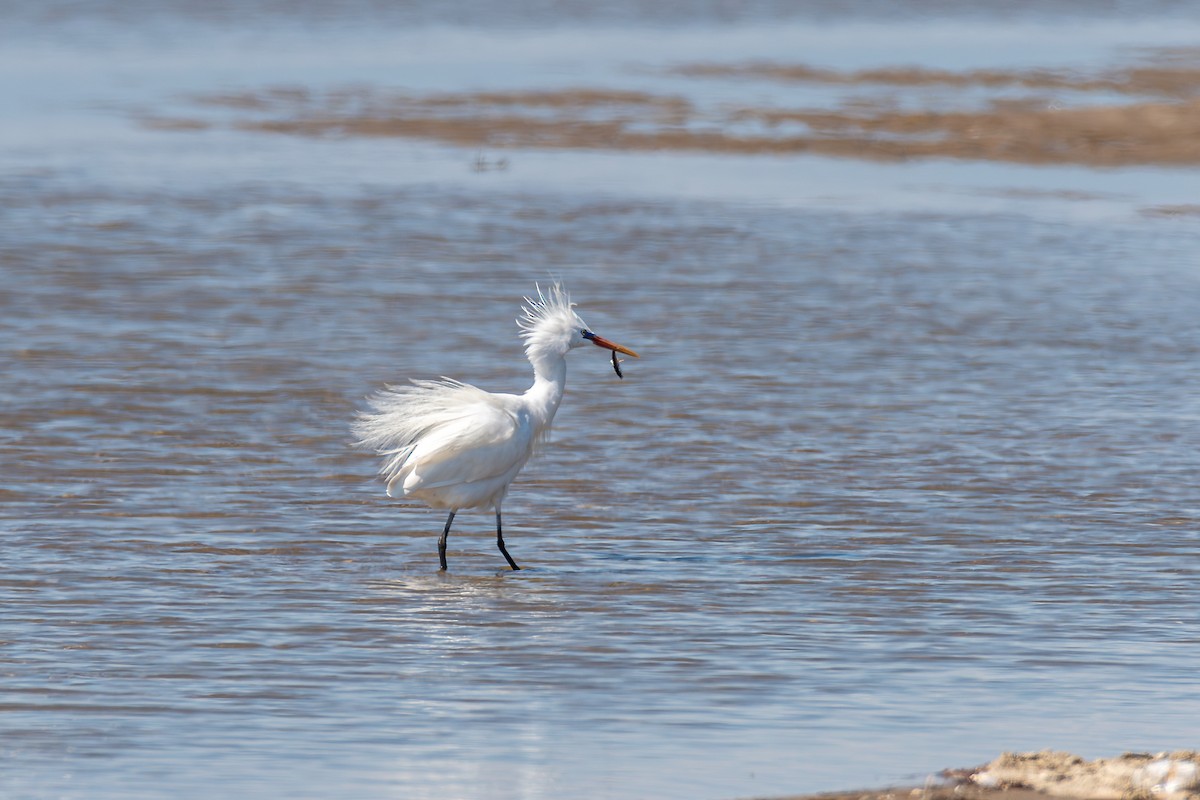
x,y
586,333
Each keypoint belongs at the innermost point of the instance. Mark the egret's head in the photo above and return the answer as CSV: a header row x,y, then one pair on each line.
x,y
551,326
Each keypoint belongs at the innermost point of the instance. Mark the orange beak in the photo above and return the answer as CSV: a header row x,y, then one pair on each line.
x,y
600,341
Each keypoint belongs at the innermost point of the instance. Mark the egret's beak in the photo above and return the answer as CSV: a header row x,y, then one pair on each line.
x,y
600,341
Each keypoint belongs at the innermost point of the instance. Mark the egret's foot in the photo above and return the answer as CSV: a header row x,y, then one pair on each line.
x,y
508,558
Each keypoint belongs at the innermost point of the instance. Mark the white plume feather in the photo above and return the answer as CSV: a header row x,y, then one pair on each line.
x,y
403,415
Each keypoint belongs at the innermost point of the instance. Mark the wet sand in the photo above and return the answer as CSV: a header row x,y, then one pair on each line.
x,y
1146,113
923,793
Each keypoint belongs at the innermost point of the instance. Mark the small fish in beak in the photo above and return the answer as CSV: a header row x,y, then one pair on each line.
x,y
600,341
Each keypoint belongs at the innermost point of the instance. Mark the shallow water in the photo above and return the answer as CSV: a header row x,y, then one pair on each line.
x,y
895,486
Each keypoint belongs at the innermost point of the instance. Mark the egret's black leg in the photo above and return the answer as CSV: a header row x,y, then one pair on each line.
x,y
442,541
500,541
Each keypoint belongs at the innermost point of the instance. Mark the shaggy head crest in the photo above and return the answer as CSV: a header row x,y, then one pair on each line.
x,y
551,305
549,323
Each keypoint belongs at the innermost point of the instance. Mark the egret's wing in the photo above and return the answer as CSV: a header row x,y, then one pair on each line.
x,y
486,443
442,433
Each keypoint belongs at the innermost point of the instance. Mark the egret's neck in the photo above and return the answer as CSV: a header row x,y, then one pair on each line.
x,y
549,383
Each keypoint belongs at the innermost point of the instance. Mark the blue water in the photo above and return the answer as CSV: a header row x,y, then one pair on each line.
x,y
904,478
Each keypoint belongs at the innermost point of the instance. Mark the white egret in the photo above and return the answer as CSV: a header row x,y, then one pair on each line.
x,y
454,446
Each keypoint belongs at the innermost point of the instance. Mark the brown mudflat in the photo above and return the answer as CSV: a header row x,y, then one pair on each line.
x,y
1144,114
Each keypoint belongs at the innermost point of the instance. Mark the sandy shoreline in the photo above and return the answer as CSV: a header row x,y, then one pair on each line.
x,y
1050,774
